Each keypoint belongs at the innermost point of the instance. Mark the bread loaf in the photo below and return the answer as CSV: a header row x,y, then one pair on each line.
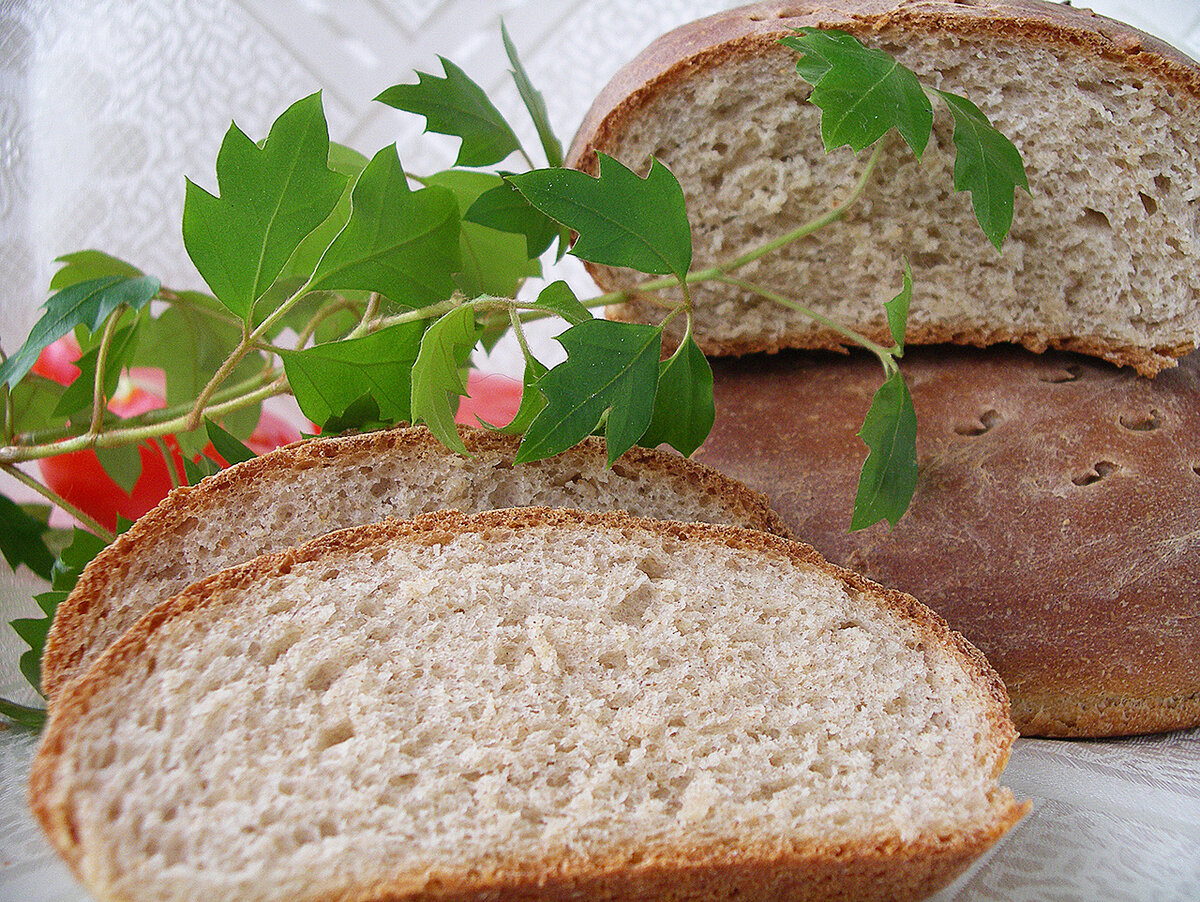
x,y
529,704
1103,257
1056,521
296,493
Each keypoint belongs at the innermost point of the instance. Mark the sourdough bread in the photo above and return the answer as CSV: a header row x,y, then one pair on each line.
x,y
297,493
1103,258
1056,521
529,703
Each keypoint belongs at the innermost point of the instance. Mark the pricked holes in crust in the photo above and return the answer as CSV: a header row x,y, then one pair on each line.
x,y
1102,470
987,420
1070,373
1146,422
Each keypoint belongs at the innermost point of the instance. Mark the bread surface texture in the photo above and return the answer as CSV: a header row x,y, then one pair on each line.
x,y
297,493
1104,253
1054,522
529,704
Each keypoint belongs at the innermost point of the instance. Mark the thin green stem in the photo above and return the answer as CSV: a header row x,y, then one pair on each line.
x,y
885,355
115,437
364,323
99,401
58,501
514,317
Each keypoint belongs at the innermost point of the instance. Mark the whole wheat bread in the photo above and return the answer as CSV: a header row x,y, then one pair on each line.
x,y
1103,258
529,704
297,493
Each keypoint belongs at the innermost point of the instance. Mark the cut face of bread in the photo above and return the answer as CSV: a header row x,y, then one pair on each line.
x,y
1104,254
523,703
1054,522
297,493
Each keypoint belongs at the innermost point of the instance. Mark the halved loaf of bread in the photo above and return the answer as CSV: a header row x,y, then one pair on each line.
x,y
305,490
1056,521
1103,258
529,704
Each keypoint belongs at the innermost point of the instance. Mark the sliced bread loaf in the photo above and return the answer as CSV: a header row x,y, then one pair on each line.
x,y
529,704
1103,258
297,493
1056,521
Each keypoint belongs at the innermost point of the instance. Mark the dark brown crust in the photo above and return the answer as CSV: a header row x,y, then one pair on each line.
x,y
754,30
78,619
1082,587
880,867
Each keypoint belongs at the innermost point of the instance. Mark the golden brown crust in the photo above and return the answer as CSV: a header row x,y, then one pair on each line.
x,y
78,619
883,867
1054,522
754,30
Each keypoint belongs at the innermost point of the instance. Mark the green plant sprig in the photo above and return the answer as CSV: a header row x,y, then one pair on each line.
x,y
365,289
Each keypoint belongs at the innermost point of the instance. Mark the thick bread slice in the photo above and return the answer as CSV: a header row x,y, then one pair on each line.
x,y
529,704
1103,258
1056,521
305,490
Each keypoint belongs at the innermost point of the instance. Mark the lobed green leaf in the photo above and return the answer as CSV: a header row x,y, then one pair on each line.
x,y
610,376
86,304
271,197
22,538
897,309
622,220
862,92
684,409
457,106
534,102
81,392
986,164
439,374
83,266
889,474
403,244
505,209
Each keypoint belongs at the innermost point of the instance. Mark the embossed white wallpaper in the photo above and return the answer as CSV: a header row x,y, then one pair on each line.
x,y
106,106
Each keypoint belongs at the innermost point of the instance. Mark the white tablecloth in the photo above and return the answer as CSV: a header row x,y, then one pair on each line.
x,y
105,106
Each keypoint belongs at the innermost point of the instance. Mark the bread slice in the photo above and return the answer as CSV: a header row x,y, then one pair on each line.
x,y
1103,258
297,493
529,703
1056,521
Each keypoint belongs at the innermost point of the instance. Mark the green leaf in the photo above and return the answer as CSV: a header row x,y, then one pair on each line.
x,y
23,715
362,414
196,470
270,198
684,409
400,243
123,464
349,163
63,574
889,474
33,401
456,106
897,309
862,92
532,400
505,209
327,379
622,220
83,266
86,304
439,374
610,375
80,393
226,444
533,102
987,164
559,299
21,539
493,262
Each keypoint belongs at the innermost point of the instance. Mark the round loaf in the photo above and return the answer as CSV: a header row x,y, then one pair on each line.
x,y
529,704
1103,257
310,488
1056,520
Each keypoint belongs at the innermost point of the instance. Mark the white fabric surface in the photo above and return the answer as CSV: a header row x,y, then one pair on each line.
x,y
105,106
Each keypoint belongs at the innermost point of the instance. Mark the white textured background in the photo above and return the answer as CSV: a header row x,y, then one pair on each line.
x,y
106,106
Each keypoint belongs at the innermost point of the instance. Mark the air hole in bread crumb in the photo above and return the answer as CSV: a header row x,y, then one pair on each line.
x,y
334,734
1196,469
1094,220
1149,203
1162,183
322,676
1141,422
987,420
1102,469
